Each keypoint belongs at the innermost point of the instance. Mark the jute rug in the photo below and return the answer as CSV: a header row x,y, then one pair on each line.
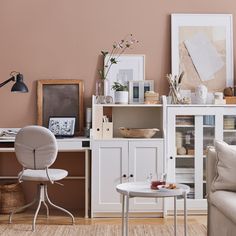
x,y
100,230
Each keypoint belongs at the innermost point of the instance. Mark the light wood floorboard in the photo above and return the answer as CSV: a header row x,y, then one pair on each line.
x,y
55,218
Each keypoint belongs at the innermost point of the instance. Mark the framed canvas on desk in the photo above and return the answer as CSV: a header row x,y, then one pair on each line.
x,y
60,98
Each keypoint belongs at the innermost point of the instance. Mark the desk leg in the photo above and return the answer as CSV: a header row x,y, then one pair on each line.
x,y
123,215
86,182
175,216
127,216
185,214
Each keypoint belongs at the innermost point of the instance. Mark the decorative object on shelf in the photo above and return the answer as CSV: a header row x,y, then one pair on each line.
x,y
60,97
137,133
174,94
219,98
19,85
112,58
230,95
62,126
202,47
137,90
121,93
151,97
229,91
201,94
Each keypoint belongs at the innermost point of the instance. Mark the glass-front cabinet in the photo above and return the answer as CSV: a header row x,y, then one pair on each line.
x,y
190,130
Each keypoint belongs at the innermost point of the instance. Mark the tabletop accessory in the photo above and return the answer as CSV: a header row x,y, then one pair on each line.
x,y
137,133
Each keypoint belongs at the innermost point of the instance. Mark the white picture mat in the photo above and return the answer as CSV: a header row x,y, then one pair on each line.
x,y
129,67
140,85
211,20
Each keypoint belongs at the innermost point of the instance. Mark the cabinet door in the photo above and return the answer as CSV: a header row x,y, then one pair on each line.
x,y
145,158
109,164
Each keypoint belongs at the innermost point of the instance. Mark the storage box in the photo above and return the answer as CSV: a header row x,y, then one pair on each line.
x,y
107,130
230,100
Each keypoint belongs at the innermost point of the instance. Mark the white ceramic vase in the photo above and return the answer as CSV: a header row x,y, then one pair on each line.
x,y
121,97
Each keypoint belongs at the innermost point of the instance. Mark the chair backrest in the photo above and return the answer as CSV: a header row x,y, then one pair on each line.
x,y
35,147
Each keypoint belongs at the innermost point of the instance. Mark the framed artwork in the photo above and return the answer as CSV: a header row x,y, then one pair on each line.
x,y
202,47
60,98
129,67
137,90
62,126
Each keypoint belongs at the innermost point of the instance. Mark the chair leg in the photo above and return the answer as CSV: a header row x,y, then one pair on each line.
x,y
20,209
46,206
35,215
58,207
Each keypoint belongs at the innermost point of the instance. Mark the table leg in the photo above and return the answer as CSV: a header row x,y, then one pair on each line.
x,y
123,215
175,216
127,216
185,214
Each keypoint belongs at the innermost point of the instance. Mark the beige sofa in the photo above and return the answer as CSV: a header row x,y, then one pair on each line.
x,y
221,204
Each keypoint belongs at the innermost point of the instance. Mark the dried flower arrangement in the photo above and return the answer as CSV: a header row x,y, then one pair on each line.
x,y
175,84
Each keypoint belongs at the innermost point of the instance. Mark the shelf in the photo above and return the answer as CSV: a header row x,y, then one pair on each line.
x,y
128,105
230,130
184,156
184,126
208,126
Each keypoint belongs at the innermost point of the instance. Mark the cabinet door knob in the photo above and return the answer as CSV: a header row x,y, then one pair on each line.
x,y
131,176
171,157
124,175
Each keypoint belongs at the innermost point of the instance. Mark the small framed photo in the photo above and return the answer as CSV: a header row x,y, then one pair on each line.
x,y
62,126
137,90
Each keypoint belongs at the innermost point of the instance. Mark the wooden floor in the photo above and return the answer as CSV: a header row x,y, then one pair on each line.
x,y
26,218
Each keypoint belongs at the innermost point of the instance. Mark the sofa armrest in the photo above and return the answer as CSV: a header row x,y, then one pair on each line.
x,y
210,167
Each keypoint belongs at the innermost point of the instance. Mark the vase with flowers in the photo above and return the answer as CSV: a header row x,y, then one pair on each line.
x,y
118,48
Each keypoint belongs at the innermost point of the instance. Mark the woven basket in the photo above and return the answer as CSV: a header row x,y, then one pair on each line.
x,y
11,197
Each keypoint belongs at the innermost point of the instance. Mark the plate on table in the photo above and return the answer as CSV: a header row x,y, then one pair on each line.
x,y
167,187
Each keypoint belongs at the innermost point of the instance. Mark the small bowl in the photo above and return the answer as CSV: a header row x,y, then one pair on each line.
x,y
137,133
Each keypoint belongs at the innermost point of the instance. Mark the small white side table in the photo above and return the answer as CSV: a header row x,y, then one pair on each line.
x,y
142,189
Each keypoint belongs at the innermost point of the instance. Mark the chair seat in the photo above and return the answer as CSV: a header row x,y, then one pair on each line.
x,y
41,175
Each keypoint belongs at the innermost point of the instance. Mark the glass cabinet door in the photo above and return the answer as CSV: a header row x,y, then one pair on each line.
x,y
193,135
229,129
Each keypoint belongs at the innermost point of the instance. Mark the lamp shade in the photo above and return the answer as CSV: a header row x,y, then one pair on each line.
x,y
19,85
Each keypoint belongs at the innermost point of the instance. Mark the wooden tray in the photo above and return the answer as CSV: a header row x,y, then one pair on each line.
x,y
137,133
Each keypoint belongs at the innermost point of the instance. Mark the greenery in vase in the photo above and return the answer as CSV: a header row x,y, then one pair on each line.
x,y
117,49
119,87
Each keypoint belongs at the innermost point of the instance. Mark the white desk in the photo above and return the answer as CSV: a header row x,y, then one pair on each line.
x,y
77,144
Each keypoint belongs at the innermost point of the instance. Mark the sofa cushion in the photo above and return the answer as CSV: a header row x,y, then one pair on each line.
x,y
225,178
225,201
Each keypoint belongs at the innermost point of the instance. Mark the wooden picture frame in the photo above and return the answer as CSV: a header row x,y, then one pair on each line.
x,y
60,97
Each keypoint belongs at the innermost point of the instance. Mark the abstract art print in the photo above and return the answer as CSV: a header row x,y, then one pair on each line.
x,y
62,126
202,47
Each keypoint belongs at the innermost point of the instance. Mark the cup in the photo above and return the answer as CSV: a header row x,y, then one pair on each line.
x,y
158,179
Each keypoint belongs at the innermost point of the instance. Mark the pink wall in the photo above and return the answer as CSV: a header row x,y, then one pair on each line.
x,y
62,39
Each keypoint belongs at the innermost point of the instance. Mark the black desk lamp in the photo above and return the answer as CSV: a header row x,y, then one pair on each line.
x,y
19,85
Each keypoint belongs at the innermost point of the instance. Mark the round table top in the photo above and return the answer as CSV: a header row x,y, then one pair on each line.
x,y
142,189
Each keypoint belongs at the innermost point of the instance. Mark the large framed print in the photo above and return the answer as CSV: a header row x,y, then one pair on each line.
x,y
128,67
60,98
202,47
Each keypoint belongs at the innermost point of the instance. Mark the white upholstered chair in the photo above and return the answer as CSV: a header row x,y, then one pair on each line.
x,y
36,150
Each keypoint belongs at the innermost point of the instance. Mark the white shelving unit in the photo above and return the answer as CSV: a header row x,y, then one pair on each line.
x,y
200,125
117,160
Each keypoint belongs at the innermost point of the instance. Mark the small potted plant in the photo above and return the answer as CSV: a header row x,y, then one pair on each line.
x,y
121,93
